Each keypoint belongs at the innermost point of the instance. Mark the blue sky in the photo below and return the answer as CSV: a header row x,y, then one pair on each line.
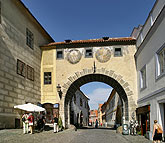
x,y
90,19
98,93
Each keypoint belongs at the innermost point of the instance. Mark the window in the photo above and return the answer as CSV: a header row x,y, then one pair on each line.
x,y
151,18
113,102
30,73
47,78
161,61
143,78
29,38
81,103
74,99
117,52
60,54
88,53
141,37
0,12
21,68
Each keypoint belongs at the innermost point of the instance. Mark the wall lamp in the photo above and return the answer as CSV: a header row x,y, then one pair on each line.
x,y
59,90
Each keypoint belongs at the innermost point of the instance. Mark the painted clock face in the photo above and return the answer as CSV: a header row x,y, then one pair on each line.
x,y
74,56
103,55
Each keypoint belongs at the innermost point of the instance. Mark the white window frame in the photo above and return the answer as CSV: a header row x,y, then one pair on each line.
x,y
151,19
141,37
0,12
143,82
158,65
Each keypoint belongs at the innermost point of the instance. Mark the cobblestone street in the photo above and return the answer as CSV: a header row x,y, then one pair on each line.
x,y
69,136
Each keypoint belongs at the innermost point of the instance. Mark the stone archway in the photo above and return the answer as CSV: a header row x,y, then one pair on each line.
x,y
109,77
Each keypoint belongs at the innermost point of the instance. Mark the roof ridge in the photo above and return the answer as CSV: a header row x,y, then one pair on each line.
x,y
116,39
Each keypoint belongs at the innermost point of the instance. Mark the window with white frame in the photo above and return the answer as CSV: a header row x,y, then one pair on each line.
x,y
160,61
143,78
0,12
141,37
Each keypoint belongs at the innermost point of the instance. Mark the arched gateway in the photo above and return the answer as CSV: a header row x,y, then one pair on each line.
x,y
71,64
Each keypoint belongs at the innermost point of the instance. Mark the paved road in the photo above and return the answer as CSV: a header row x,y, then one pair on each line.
x,y
69,136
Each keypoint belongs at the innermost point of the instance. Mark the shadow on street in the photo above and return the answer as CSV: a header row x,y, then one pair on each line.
x,y
99,128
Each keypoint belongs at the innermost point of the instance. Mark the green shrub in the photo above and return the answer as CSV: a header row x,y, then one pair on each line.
x,y
60,123
139,133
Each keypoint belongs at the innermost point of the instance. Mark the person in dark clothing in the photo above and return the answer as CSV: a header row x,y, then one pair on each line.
x,y
96,126
41,121
157,137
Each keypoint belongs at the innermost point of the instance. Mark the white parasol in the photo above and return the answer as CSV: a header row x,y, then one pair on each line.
x,y
30,107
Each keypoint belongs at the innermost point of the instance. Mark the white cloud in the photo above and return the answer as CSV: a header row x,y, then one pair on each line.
x,y
98,96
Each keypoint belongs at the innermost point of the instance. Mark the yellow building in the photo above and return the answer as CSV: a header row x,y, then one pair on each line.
x,y
31,70
100,114
70,64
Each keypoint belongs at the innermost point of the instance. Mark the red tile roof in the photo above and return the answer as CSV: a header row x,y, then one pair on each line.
x,y
94,113
100,105
123,39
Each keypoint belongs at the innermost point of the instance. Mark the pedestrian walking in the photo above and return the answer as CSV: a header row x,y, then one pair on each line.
x,y
41,121
55,124
157,132
25,123
31,119
96,126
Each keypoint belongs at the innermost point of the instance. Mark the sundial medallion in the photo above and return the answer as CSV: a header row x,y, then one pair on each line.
x,y
103,55
74,56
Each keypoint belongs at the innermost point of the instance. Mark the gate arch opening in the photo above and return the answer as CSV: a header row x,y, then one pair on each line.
x,y
95,78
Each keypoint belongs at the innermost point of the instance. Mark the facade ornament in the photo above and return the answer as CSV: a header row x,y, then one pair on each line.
x,y
103,54
74,56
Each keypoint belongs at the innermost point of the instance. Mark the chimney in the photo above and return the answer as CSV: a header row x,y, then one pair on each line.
x,y
105,38
68,41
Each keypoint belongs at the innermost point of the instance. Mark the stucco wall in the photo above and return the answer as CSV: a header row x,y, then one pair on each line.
x,y
154,93
123,66
77,108
148,57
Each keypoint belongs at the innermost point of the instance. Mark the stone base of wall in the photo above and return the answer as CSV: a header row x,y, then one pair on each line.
x,y
9,121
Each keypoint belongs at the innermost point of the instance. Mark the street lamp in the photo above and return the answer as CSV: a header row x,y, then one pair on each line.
x,y
59,90
94,67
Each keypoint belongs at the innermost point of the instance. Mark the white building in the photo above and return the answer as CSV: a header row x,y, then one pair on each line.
x,y
113,111
79,112
150,62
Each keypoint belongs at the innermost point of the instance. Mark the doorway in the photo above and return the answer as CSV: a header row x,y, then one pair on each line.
x,y
143,124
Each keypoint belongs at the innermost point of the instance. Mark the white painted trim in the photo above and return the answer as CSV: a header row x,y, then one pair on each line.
x,y
151,95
